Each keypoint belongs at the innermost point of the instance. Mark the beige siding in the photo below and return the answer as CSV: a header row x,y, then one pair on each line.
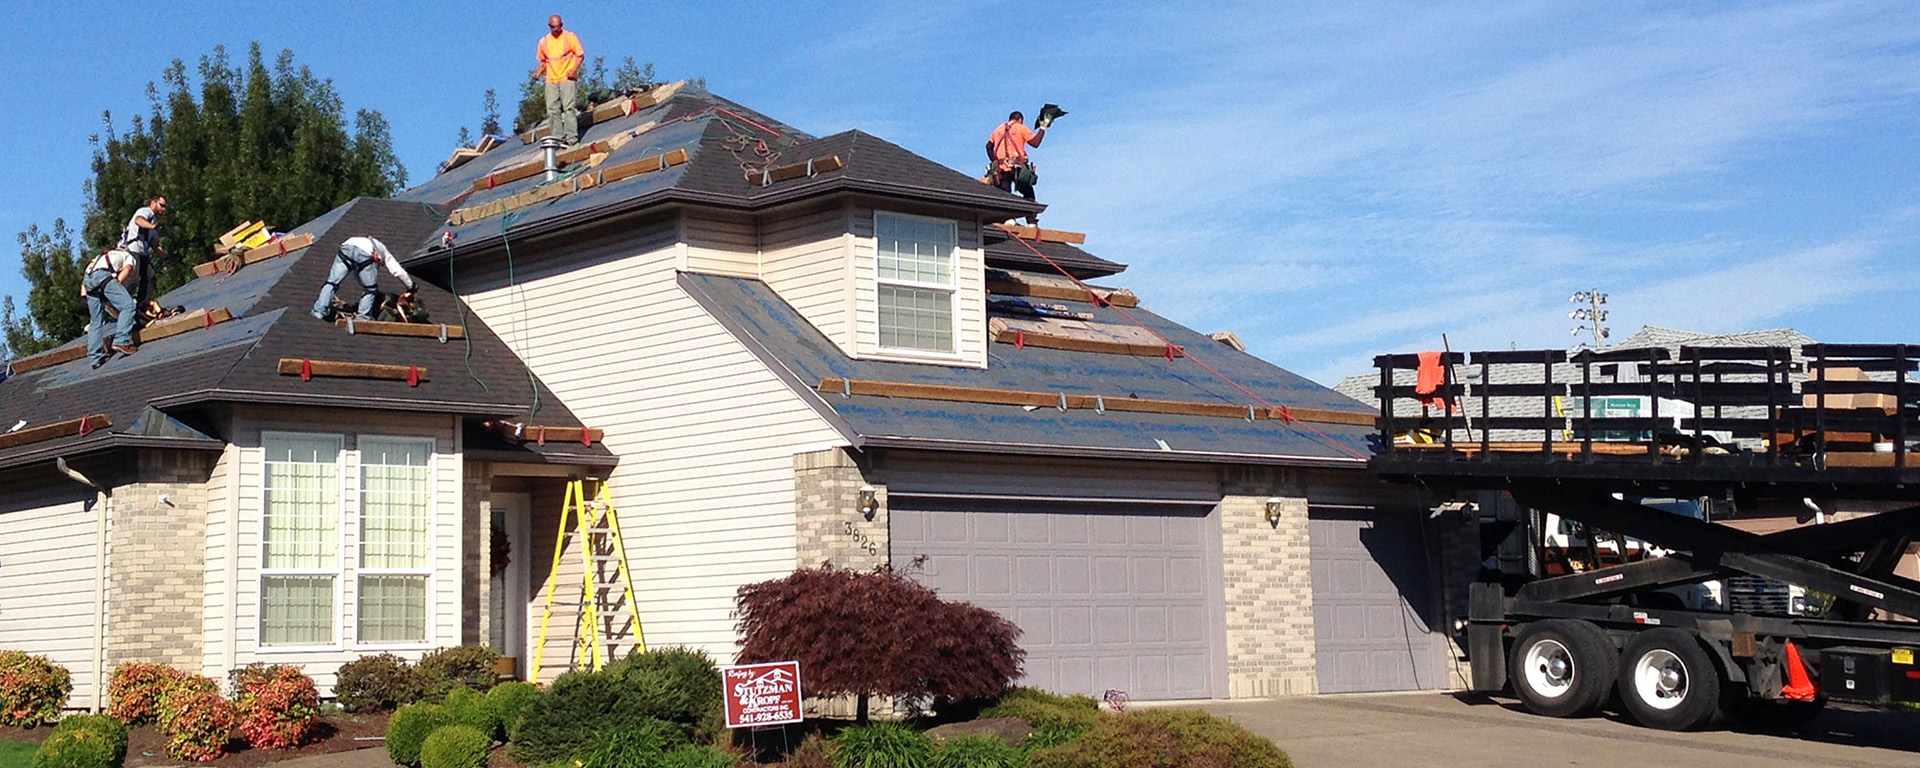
x,y
47,551
444,586
705,433
217,610
720,244
807,259
970,301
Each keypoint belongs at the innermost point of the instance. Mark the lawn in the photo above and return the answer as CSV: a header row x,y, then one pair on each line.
x,y
17,754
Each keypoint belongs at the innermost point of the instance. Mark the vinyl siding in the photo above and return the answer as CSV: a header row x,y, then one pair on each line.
x,y
443,586
705,433
970,300
720,244
223,498
47,541
807,259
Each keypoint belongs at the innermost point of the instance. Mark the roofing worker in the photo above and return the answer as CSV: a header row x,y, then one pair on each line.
x,y
103,284
357,257
1007,150
560,59
141,239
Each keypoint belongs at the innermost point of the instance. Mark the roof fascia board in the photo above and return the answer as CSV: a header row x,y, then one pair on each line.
x,y
198,397
804,391
558,461
107,443
1147,454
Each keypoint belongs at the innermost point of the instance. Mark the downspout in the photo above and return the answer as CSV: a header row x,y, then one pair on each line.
x,y
99,580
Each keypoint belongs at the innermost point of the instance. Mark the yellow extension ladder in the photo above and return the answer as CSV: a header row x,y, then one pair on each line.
x,y
607,607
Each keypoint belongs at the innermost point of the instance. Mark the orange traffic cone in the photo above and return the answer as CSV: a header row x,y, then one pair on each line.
x,y
1799,687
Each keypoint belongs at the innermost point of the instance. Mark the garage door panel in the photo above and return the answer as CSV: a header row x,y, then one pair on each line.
x,y
1370,580
1104,600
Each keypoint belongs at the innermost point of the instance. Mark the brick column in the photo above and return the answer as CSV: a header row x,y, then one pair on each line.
x,y
476,543
156,550
1269,584
829,526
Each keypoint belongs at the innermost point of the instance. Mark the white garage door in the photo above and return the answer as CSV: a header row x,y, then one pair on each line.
x,y
1372,604
1107,598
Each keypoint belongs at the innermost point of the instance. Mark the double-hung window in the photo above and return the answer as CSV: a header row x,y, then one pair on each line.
x,y
916,281
300,541
395,546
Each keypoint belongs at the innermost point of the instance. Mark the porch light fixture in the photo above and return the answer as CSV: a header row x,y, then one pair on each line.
x,y
869,502
1274,506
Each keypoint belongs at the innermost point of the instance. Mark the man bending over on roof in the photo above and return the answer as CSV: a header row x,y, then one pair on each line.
x,y
104,284
560,57
358,256
1007,150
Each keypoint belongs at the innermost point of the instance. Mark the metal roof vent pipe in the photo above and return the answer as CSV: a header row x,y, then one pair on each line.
x,y
550,150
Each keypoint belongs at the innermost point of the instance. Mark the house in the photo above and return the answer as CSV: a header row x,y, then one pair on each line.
x,y
787,350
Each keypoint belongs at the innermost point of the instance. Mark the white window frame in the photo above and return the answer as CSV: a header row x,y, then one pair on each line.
x,y
340,545
359,539
951,289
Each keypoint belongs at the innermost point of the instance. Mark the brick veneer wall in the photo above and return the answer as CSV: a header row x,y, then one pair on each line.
x,y
826,507
1269,585
157,560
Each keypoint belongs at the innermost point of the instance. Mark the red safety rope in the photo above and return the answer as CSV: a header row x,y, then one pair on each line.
x,y
1286,414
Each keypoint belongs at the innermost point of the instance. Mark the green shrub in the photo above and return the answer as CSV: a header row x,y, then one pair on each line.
x,y
882,745
84,741
976,751
813,752
32,689
465,706
409,729
641,743
198,722
135,690
677,686
382,682
699,756
1051,735
510,700
455,746
448,668
1156,738
278,705
1047,711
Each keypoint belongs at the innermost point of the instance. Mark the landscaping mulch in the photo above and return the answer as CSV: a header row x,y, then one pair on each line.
x,y
146,746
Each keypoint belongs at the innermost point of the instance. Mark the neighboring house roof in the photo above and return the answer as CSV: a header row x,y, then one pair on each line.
x,y
719,135
149,396
803,357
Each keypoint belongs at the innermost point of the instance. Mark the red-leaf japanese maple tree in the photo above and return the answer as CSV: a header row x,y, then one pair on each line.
x,y
868,633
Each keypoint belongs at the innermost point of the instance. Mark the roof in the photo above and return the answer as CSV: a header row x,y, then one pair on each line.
x,y
721,138
803,357
1004,252
150,396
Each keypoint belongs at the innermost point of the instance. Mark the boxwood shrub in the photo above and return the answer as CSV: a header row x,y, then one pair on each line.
x,y
1155,738
455,746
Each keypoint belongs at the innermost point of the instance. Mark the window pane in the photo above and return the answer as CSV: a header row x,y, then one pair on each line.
x,y
393,504
296,610
915,249
916,318
302,505
393,609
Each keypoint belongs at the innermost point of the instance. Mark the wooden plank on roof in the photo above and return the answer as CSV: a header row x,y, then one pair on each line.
x,y
542,434
511,173
232,262
191,321
987,396
799,170
1044,235
294,366
620,107
533,196
1066,291
78,426
648,164
45,359
657,95
580,152
1076,336
417,330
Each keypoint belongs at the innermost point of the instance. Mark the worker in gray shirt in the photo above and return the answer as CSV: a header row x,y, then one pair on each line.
x,y
358,256
104,283
141,239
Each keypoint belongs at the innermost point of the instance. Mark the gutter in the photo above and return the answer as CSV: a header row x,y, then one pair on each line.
x,y
337,401
99,581
1143,454
109,442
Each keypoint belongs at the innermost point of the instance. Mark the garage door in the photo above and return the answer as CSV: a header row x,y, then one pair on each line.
x,y
1372,607
1106,598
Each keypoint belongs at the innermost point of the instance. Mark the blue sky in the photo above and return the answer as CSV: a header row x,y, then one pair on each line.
x,y
1330,180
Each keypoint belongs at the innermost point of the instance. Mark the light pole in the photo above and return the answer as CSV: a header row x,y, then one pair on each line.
x,y
1591,317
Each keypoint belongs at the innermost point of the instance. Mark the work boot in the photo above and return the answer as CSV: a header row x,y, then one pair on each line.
x,y
99,361
125,349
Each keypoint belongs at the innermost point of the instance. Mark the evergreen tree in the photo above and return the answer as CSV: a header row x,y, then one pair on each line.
x,y
595,88
243,143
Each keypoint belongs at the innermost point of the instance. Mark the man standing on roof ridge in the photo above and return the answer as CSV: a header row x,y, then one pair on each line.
x,y
357,257
1007,151
560,59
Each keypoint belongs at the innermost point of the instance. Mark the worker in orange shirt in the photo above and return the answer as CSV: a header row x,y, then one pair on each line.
x,y
560,59
1007,151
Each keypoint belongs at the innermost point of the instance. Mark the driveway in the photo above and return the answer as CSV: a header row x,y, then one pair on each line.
x,y
1446,730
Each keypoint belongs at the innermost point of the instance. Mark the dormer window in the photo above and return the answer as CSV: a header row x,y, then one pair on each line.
x,y
917,282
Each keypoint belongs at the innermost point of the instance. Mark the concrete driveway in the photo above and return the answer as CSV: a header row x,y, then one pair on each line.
x,y
1446,730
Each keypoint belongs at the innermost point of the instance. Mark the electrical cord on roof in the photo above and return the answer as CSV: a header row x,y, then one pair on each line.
x,y
1325,438
453,288
520,323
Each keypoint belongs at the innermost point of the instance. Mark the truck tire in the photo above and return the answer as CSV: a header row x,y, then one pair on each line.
x,y
1562,668
1668,681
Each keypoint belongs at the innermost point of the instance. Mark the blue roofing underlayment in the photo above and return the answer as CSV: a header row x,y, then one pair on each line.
x,y
759,318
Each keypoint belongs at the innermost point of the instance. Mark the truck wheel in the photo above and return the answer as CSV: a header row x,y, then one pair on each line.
x,y
1667,681
1562,668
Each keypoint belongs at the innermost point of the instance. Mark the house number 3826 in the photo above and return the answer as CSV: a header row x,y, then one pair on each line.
x,y
861,540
